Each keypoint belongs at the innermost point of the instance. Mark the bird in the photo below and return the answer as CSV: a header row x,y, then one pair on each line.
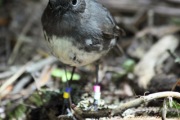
x,y
79,32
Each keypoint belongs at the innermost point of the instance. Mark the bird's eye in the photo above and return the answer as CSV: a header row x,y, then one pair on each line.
x,y
74,2
52,3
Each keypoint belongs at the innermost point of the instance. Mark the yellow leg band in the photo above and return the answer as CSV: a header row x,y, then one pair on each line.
x,y
66,95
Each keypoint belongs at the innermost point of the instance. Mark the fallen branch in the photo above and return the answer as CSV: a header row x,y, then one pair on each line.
x,y
28,68
12,79
144,99
86,114
120,109
144,70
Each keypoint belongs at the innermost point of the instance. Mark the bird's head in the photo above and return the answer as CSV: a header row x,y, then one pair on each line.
x,y
64,6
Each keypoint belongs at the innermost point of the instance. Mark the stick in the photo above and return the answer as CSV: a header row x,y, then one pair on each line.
x,y
144,99
12,79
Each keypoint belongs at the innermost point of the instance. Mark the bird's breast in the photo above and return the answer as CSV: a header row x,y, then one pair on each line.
x,y
71,54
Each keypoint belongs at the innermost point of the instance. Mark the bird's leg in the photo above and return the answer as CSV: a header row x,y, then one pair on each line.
x,y
67,93
72,73
97,92
70,81
97,77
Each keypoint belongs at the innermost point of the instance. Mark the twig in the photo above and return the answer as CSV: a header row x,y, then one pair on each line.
x,y
37,66
64,117
43,78
21,84
149,111
8,73
164,110
13,78
144,99
141,111
29,67
159,31
86,114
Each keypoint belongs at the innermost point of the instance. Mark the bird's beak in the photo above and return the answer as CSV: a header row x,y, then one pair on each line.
x,y
59,4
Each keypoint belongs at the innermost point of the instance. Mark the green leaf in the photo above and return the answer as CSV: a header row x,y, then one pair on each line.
x,y
35,98
176,105
18,112
61,74
57,73
128,65
75,76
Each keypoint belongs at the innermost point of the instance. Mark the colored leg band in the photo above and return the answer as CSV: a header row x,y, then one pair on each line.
x,y
66,94
97,92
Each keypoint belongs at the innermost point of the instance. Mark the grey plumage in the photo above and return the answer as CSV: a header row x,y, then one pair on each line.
x,y
85,31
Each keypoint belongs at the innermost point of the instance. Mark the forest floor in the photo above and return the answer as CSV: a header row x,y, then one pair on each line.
x,y
139,82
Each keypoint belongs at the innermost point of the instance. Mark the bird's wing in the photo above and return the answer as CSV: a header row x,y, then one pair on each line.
x,y
109,29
